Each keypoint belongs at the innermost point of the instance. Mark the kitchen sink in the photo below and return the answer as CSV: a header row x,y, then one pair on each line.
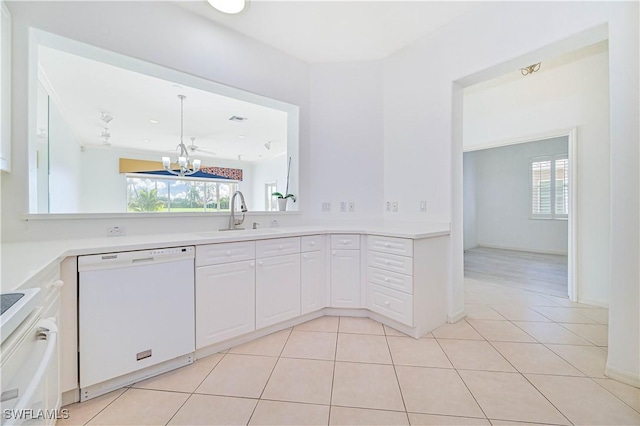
x,y
229,232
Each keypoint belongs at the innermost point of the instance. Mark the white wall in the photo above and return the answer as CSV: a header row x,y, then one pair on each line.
x,y
346,130
138,29
423,129
64,165
273,170
503,199
575,94
470,223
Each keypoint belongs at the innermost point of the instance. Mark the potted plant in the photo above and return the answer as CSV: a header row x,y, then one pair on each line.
x,y
282,199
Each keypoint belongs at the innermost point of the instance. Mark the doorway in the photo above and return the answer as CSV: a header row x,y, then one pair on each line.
x,y
517,215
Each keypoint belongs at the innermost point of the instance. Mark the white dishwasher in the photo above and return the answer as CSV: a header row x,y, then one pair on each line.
x,y
136,316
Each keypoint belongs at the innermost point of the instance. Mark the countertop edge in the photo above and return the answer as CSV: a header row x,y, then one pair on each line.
x,y
52,252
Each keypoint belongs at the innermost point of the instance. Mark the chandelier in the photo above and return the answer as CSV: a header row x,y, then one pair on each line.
x,y
186,169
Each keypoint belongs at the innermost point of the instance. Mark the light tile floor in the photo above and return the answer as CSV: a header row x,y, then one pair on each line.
x,y
517,358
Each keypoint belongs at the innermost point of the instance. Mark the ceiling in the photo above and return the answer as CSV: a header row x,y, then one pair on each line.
x,y
313,31
82,88
336,31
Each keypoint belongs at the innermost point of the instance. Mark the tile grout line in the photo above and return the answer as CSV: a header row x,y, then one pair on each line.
x,y
270,374
462,380
593,379
105,407
395,372
199,384
545,397
333,374
523,376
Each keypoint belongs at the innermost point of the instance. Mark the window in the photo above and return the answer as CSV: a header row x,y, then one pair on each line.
x,y
148,193
550,187
270,203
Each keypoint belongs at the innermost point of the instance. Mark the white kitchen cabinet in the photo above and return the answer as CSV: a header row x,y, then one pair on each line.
x,y
345,278
313,281
225,301
277,289
406,281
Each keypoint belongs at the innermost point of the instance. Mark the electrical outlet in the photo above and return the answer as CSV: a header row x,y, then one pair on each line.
x,y
273,223
115,231
394,206
423,206
352,207
343,206
388,206
326,206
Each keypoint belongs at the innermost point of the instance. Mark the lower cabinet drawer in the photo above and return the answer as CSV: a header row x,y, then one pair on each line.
x,y
215,254
277,247
390,262
392,280
390,303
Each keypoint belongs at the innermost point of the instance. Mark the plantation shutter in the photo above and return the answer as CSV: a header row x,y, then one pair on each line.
x,y
541,188
561,187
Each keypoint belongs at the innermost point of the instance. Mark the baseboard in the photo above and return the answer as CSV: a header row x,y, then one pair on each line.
x,y
456,317
594,303
69,397
522,249
622,376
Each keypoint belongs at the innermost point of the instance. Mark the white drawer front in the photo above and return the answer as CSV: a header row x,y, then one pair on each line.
x,y
390,303
311,243
214,254
390,279
277,247
345,241
390,262
399,246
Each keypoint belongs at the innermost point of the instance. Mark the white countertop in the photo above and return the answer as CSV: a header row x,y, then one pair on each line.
x,y
23,260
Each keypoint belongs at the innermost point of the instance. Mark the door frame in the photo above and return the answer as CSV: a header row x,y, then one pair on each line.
x,y
572,217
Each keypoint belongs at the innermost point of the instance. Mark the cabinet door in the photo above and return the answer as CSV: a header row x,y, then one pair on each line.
x,y
313,281
277,289
345,278
225,300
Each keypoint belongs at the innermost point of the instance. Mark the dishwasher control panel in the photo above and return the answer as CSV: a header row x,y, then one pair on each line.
x,y
124,258
170,251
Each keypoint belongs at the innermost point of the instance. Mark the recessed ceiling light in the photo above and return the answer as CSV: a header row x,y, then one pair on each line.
x,y
241,136
228,6
154,121
146,140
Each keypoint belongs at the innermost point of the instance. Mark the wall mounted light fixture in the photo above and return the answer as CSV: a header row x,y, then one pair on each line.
x,y
530,69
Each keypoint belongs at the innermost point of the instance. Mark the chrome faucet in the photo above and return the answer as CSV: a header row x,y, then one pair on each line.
x,y
233,222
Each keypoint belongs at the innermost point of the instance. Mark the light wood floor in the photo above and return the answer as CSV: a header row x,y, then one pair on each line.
x,y
541,273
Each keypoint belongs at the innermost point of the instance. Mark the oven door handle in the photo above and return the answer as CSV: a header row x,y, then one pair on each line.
x,y
47,330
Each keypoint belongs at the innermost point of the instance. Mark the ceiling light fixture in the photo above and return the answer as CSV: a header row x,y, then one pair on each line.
x,y
105,117
228,6
530,69
153,121
105,135
186,169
